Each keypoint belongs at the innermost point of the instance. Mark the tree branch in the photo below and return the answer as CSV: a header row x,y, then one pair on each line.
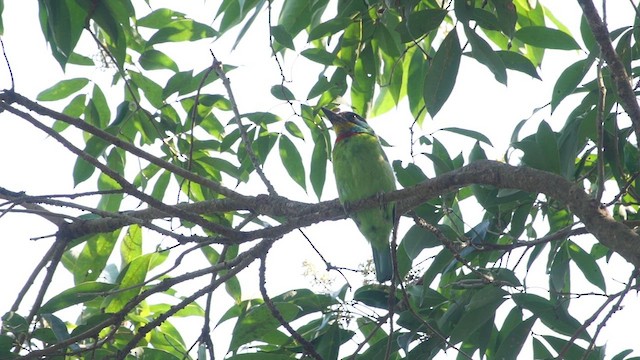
x,y
618,72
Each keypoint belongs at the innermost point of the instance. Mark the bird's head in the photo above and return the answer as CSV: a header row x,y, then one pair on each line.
x,y
347,123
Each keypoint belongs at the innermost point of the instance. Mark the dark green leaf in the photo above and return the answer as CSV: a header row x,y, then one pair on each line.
x,y
513,341
470,133
78,59
282,37
587,36
62,89
441,75
569,80
1,23
318,171
483,52
292,161
420,23
282,93
546,38
507,16
372,295
295,16
328,28
409,175
417,239
587,264
320,86
320,56
259,323
552,315
515,61
76,295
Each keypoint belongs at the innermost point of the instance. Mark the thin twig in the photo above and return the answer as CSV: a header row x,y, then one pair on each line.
x,y
11,97
613,310
124,184
217,66
283,79
54,259
327,264
308,347
34,274
6,61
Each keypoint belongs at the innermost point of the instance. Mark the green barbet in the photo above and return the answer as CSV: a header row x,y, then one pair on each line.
x,y
362,170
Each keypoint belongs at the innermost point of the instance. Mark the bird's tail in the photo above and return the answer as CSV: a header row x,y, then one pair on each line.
x,y
383,264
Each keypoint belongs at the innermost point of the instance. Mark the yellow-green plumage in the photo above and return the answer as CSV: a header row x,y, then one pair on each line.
x,y
362,170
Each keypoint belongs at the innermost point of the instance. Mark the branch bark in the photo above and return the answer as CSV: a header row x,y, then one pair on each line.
x,y
618,73
615,235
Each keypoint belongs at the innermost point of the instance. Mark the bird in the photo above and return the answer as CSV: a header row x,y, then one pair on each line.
x,y
361,170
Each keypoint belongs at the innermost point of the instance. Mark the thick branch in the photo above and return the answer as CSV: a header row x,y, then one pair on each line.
x,y
598,222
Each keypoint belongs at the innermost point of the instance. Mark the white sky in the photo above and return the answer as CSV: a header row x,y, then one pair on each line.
x,y
31,162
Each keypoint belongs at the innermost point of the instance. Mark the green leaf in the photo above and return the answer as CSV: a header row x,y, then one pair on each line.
x,y
262,118
295,16
546,38
76,295
552,315
420,23
587,36
483,52
62,24
182,30
328,28
587,264
131,279
259,324
93,257
58,327
292,161
507,16
441,75
372,295
320,87
320,56
472,321
282,93
417,239
131,246
318,171
233,288
153,59
78,59
469,133
409,175
512,343
569,80
546,139
518,62
62,89
282,36
1,23
159,18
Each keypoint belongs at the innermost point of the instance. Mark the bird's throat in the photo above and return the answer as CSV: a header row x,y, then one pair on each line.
x,y
347,134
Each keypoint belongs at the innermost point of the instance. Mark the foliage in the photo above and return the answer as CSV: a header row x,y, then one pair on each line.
x,y
456,288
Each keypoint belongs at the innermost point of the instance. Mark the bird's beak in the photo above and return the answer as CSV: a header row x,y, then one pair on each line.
x,y
334,118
